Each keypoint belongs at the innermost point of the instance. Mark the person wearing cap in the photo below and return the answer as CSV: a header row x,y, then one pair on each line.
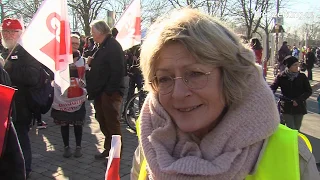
x,y
295,90
24,72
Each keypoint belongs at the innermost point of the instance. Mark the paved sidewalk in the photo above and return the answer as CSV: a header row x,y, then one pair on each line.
x,y
47,148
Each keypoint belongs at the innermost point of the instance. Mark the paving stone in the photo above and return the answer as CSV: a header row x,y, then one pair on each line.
x,y
47,148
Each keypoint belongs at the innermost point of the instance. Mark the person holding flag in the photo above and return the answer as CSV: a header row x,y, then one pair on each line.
x,y
11,158
69,108
24,72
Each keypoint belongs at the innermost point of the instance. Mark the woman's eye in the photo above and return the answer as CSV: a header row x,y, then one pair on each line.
x,y
164,79
195,74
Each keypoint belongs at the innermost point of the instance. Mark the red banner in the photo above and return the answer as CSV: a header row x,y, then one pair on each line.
x,y
6,95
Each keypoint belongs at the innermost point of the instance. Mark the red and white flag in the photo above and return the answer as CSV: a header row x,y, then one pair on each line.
x,y
113,166
129,26
47,39
6,95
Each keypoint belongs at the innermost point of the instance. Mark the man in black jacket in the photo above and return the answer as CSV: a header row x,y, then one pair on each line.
x,y
11,158
283,52
105,82
24,72
310,60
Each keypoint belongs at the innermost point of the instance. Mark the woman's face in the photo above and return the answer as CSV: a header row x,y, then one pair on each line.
x,y
294,67
193,110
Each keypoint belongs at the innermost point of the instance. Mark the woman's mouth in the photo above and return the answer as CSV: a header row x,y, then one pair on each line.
x,y
189,108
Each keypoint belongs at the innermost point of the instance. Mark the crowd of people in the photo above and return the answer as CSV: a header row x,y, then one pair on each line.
x,y
202,118
97,73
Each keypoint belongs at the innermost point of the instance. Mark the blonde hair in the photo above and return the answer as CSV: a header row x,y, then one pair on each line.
x,y
209,42
101,26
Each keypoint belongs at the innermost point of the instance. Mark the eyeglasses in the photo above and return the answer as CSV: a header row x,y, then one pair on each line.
x,y
192,79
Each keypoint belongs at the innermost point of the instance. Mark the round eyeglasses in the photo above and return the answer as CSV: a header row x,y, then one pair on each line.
x,y
192,79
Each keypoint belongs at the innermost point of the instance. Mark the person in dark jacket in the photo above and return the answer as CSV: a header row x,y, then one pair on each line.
x,y
282,53
105,82
24,72
11,158
90,49
310,60
295,90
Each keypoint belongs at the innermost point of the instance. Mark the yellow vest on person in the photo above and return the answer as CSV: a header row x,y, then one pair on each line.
x,y
280,160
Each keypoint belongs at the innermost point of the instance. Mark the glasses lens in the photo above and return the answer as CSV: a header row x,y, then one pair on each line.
x,y
196,80
163,84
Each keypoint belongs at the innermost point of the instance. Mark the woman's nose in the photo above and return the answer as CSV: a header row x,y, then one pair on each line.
x,y
180,89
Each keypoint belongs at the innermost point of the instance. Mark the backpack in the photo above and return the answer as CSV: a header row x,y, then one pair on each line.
x,y
42,94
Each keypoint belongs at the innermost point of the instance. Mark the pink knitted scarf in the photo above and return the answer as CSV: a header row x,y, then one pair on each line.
x,y
229,151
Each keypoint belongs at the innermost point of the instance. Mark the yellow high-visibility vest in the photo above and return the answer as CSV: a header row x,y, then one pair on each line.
x,y
280,160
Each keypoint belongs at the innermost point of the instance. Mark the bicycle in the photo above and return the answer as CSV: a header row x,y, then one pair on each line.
x,y
133,107
281,99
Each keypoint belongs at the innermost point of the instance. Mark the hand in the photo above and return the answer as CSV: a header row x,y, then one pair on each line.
x,y
295,103
89,60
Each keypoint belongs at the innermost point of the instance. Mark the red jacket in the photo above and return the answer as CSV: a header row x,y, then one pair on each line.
x,y
258,54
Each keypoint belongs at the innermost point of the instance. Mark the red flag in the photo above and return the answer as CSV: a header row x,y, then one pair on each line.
x,y
112,172
129,26
50,29
6,95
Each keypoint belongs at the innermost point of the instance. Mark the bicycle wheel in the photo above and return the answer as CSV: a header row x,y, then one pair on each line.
x,y
132,111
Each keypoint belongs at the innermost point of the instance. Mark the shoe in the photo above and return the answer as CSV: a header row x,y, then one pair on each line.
x,y
102,155
67,152
28,175
42,125
77,152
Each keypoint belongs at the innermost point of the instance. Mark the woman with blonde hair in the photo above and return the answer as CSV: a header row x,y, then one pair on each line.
x,y
209,113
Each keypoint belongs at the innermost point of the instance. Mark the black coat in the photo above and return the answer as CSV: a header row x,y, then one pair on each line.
x,y
24,72
107,69
11,160
310,60
298,90
283,52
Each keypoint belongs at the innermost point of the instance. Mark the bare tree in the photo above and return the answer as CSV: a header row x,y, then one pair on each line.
x,y
87,10
212,7
249,13
22,8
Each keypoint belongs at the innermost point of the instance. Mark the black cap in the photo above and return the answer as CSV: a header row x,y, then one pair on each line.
x,y
289,60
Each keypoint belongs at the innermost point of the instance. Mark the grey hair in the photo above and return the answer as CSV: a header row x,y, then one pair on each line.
x,y
209,41
101,26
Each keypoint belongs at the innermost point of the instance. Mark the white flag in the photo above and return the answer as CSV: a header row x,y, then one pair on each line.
x,y
112,172
129,26
47,39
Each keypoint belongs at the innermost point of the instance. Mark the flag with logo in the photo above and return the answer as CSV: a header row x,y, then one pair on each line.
x,y
112,172
6,95
128,26
47,39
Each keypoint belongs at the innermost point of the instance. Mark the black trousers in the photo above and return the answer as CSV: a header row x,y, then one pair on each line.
x,y
309,73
